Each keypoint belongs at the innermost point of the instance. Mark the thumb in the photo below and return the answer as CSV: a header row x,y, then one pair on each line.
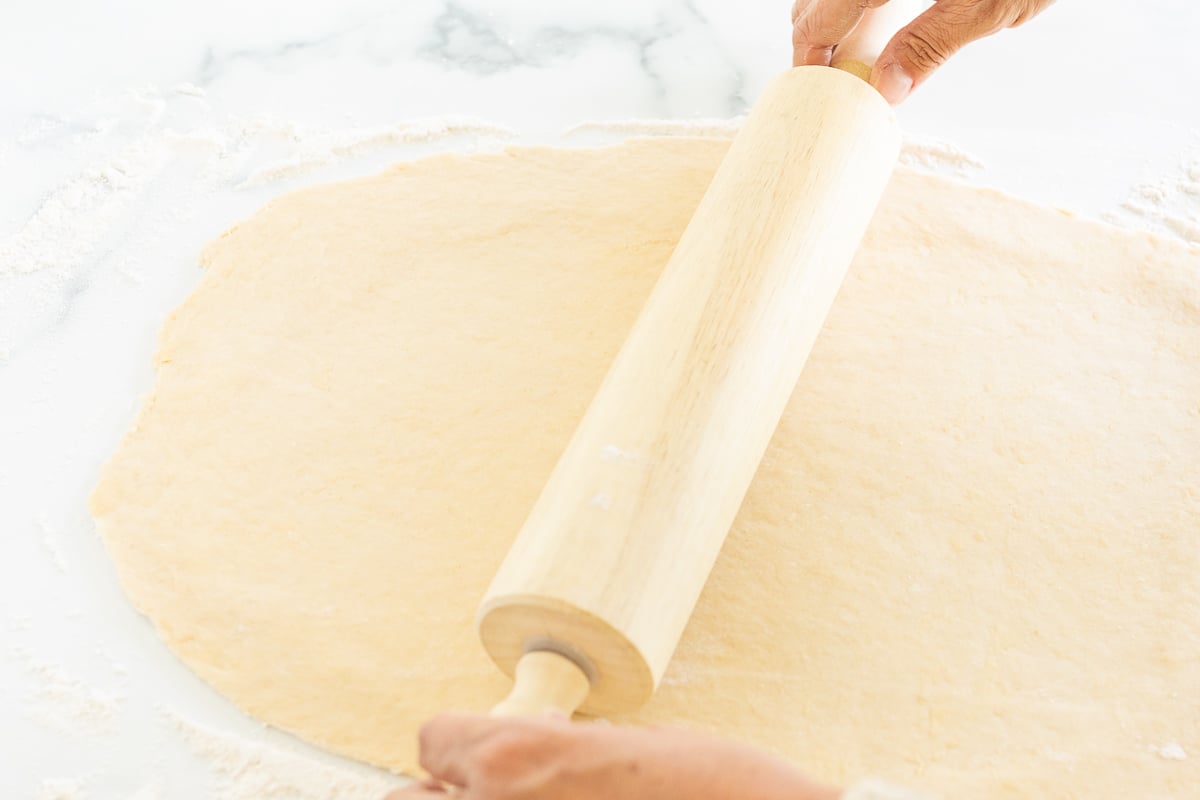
x,y
928,41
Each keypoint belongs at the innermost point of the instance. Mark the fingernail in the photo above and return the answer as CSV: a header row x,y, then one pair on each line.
x,y
894,84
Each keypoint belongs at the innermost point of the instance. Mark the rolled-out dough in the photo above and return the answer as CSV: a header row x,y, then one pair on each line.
x,y
970,561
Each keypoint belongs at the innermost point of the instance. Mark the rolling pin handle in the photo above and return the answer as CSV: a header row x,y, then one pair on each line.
x,y
858,53
545,681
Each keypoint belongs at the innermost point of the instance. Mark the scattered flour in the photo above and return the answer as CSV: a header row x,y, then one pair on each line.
x,y
70,789
60,789
118,669
189,89
50,542
76,217
74,220
69,706
872,789
1171,204
610,452
19,623
1171,751
935,155
321,148
167,143
248,770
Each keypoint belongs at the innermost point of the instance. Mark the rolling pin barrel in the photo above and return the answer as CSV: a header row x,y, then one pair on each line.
x,y
595,593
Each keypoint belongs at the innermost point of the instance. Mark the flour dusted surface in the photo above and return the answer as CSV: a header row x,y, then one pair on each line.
x,y
246,770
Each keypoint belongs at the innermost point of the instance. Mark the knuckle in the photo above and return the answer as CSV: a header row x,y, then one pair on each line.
x,y
820,24
985,17
799,36
1028,10
995,15
500,754
503,763
807,29
924,50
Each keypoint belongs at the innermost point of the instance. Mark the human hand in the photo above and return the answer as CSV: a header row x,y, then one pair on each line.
x,y
918,49
551,758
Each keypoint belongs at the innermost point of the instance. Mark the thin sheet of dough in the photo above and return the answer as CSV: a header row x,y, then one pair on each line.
x,y
970,561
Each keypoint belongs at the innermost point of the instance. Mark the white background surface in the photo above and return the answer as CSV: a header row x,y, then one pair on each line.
x,y
128,131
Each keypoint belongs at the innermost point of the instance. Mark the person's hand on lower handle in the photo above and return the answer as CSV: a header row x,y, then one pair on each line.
x,y
915,51
550,758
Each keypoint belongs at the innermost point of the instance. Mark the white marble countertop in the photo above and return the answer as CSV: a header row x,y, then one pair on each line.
x,y
133,131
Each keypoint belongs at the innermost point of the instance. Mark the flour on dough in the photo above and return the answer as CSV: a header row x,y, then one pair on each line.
x,y
968,563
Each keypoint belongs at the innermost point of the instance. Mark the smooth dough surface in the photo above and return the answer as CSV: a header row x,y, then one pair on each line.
x,y
969,563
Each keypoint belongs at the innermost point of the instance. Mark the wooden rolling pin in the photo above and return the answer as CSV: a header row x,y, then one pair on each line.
x,y
593,597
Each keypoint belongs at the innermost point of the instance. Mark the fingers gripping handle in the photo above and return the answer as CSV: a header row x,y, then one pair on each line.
x,y
859,51
545,681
